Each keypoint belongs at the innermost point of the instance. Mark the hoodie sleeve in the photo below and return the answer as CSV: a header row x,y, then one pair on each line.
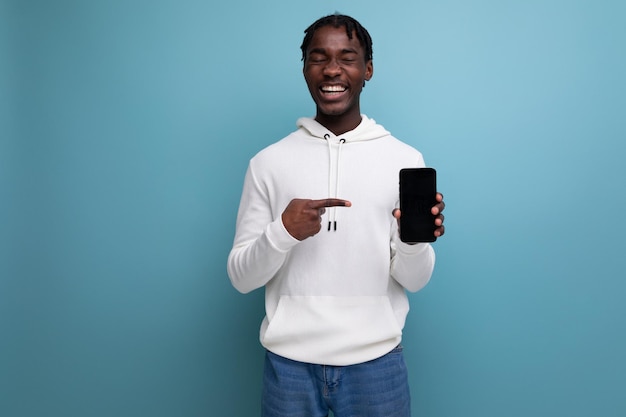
x,y
411,265
261,241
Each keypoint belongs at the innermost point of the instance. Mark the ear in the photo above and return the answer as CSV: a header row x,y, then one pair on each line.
x,y
369,70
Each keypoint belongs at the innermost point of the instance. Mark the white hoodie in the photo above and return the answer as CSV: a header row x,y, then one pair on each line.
x,y
336,298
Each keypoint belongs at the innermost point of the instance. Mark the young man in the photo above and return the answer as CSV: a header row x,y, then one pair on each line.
x,y
335,296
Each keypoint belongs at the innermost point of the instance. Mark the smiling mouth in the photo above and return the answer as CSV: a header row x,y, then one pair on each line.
x,y
333,89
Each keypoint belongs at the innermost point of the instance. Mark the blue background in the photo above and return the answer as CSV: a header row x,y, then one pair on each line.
x,y
126,128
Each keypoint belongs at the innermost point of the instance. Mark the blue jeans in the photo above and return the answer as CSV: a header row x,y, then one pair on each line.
x,y
378,388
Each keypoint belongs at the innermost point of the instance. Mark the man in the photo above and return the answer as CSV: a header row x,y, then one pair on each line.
x,y
335,296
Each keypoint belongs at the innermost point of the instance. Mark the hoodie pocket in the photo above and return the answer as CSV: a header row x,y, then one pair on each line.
x,y
332,330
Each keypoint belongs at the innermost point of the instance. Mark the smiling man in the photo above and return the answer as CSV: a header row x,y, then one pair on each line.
x,y
336,66
335,296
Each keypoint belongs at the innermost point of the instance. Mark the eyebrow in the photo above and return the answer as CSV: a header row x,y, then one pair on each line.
x,y
323,51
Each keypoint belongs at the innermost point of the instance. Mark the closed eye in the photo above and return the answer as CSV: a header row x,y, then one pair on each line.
x,y
349,56
317,56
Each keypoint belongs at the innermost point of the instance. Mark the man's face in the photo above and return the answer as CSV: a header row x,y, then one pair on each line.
x,y
335,70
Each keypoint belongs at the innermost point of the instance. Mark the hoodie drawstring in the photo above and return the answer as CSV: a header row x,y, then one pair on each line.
x,y
332,222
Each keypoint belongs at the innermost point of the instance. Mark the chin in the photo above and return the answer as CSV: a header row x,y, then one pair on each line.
x,y
332,110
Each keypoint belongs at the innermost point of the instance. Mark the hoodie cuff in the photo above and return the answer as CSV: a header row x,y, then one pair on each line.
x,y
279,237
408,249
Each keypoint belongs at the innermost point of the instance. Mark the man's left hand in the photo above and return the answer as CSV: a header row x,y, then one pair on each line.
x,y
436,210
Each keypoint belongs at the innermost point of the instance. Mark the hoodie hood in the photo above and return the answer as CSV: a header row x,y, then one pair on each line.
x,y
368,129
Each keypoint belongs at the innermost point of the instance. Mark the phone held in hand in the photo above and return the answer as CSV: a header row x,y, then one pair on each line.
x,y
418,190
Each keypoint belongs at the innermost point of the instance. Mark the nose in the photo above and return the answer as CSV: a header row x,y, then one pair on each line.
x,y
332,68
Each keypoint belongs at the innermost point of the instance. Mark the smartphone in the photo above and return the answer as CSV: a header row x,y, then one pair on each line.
x,y
418,190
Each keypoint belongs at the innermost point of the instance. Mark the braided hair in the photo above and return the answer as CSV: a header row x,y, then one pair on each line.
x,y
337,20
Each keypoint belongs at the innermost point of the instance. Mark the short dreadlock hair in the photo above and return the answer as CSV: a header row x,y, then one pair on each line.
x,y
338,20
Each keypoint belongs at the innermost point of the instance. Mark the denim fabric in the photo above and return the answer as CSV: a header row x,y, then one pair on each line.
x,y
378,388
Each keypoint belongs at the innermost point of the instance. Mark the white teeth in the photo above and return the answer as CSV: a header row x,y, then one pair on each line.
x,y
333,89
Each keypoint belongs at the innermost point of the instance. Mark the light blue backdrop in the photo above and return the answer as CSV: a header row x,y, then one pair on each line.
x,y
126,130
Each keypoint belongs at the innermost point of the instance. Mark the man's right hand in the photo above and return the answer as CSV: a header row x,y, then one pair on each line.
x,y
303,218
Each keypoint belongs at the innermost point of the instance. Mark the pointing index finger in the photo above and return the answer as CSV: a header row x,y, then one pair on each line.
x,y
329,202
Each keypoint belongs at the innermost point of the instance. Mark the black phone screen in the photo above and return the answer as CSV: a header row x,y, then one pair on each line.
x,y
418,189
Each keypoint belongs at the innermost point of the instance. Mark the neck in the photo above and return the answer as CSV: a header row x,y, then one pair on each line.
x,y
339,124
